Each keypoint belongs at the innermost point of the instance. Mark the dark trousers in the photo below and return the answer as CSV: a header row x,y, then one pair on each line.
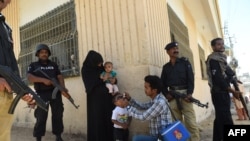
x,y
221,102
121,134
41,116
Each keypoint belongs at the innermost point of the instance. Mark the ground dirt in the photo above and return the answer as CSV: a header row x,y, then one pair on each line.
x,y
206,127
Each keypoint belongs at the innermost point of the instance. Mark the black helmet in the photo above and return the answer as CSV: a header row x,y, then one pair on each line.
x,y
42,46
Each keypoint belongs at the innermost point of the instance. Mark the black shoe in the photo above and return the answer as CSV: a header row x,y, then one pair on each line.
x,y
59,138
38,138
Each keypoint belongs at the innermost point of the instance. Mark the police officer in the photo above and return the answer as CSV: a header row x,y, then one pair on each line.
x,y
218,77
177,75
7,58
45,89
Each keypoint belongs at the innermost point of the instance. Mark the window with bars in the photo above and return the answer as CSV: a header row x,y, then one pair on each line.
x,y
57,29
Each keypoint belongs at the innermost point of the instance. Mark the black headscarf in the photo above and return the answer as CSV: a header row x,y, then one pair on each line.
x,y
92,59
91,71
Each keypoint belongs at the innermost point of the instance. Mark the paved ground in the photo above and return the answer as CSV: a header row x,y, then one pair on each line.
x,y
25,134
207,125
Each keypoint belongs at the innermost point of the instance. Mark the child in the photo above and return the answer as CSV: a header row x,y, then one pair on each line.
x,y
120,118
109,76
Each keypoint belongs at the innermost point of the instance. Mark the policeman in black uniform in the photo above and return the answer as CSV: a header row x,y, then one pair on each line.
x,y
219,76
177,75
45,89
7,58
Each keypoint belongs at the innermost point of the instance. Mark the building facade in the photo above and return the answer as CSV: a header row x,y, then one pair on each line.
x,y
130,33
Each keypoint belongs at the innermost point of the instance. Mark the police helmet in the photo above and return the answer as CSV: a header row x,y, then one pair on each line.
x,y
42,46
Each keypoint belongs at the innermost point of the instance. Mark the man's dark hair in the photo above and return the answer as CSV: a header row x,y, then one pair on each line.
x,y
154,81
213,42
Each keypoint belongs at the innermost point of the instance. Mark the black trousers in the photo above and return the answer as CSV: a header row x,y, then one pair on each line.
x,y
221,102
121,134
41,116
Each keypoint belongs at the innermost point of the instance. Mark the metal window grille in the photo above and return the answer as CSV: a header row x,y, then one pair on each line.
x,y
57,29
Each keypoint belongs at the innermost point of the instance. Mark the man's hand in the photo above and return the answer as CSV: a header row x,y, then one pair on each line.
x,y
187,99
65,94
237,94
4,85
169,97
29,99
47,82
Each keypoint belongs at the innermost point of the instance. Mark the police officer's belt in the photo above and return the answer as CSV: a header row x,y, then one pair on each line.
x,y
178,87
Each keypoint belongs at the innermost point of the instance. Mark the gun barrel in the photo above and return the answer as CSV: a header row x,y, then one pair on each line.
x,y
58,87
193,100
72,101
20,88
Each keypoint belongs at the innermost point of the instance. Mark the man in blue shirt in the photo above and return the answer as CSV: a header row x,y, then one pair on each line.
x,y
156,110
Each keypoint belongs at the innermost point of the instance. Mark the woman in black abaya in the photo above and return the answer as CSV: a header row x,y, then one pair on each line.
x,y
99,101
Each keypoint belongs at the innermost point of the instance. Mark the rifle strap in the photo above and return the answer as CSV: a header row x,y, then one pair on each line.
x,y
178,102
172,113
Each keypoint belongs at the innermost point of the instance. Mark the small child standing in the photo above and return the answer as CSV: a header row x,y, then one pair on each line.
x,y
120,118
109,76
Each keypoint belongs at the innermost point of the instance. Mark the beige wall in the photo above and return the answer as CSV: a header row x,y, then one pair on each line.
x,y
202,27
132,34
13,20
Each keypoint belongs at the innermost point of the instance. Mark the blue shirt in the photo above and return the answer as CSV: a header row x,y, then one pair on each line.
x,y
156,111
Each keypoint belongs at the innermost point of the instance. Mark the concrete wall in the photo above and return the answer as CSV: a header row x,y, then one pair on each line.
x,y
13,20
132,34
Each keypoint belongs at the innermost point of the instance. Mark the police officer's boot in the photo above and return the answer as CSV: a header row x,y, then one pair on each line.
x,y
38,138
59,138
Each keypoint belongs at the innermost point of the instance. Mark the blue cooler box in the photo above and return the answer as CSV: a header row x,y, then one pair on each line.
x,y
175,131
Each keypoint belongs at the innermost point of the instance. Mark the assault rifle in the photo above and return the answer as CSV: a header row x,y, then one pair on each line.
x,y
193,100
233,79
58,87
20,88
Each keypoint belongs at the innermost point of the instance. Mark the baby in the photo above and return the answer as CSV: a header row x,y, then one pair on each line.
x,y
109,76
